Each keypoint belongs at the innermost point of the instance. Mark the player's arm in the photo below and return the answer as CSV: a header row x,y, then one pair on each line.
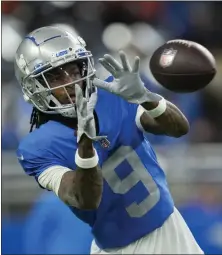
x,y
171,120
82,188
155,115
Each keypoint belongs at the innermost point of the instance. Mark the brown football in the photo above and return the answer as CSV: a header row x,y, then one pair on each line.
x,y
183,66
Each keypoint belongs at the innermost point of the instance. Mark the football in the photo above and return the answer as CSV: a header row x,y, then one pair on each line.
x,y
183,66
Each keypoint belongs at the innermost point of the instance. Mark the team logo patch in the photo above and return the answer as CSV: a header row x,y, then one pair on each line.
x,y
167,57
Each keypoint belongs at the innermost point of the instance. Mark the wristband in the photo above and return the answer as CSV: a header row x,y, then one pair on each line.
x,y
159,110
86,162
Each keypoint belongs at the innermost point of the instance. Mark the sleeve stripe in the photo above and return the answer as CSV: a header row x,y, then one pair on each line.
x,y
51,178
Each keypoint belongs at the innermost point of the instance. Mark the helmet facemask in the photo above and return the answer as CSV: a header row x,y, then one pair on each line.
x,y
51,88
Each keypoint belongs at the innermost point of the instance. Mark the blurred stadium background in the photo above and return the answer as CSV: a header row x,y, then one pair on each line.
x,y
34,221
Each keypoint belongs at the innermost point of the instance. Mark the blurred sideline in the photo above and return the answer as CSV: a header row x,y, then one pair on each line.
x,y
193,163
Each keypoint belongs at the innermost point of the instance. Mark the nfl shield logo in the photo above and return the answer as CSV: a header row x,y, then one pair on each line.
x,y
167,57
105,143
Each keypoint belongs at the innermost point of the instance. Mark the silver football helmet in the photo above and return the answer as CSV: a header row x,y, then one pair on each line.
x,y
40,53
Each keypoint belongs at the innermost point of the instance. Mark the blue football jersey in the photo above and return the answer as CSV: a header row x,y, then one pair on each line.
x,y
136,199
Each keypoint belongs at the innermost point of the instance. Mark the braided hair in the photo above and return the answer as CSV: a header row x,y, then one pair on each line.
x,y
37,118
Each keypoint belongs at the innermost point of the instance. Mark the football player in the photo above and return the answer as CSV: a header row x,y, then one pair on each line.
x,y
92,153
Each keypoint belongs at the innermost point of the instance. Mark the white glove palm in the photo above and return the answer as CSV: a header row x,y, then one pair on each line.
x,y
86,121
127,83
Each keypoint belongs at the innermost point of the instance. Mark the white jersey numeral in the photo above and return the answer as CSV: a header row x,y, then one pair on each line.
x,y
139,174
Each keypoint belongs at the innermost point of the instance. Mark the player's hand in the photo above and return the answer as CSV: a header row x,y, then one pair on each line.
x,y
85,116
127,83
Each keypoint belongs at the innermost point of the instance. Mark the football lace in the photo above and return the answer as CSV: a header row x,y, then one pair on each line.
x,y
179,41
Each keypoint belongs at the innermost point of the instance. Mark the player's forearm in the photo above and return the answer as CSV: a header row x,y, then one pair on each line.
x,y
172,122
83,188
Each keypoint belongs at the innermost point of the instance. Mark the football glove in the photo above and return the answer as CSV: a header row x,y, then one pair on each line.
x,y
85,116
127,83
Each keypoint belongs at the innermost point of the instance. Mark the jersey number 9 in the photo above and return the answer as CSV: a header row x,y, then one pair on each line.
x,y
139,174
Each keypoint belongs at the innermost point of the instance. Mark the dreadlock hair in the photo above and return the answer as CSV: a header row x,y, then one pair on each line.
x,y
37,118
